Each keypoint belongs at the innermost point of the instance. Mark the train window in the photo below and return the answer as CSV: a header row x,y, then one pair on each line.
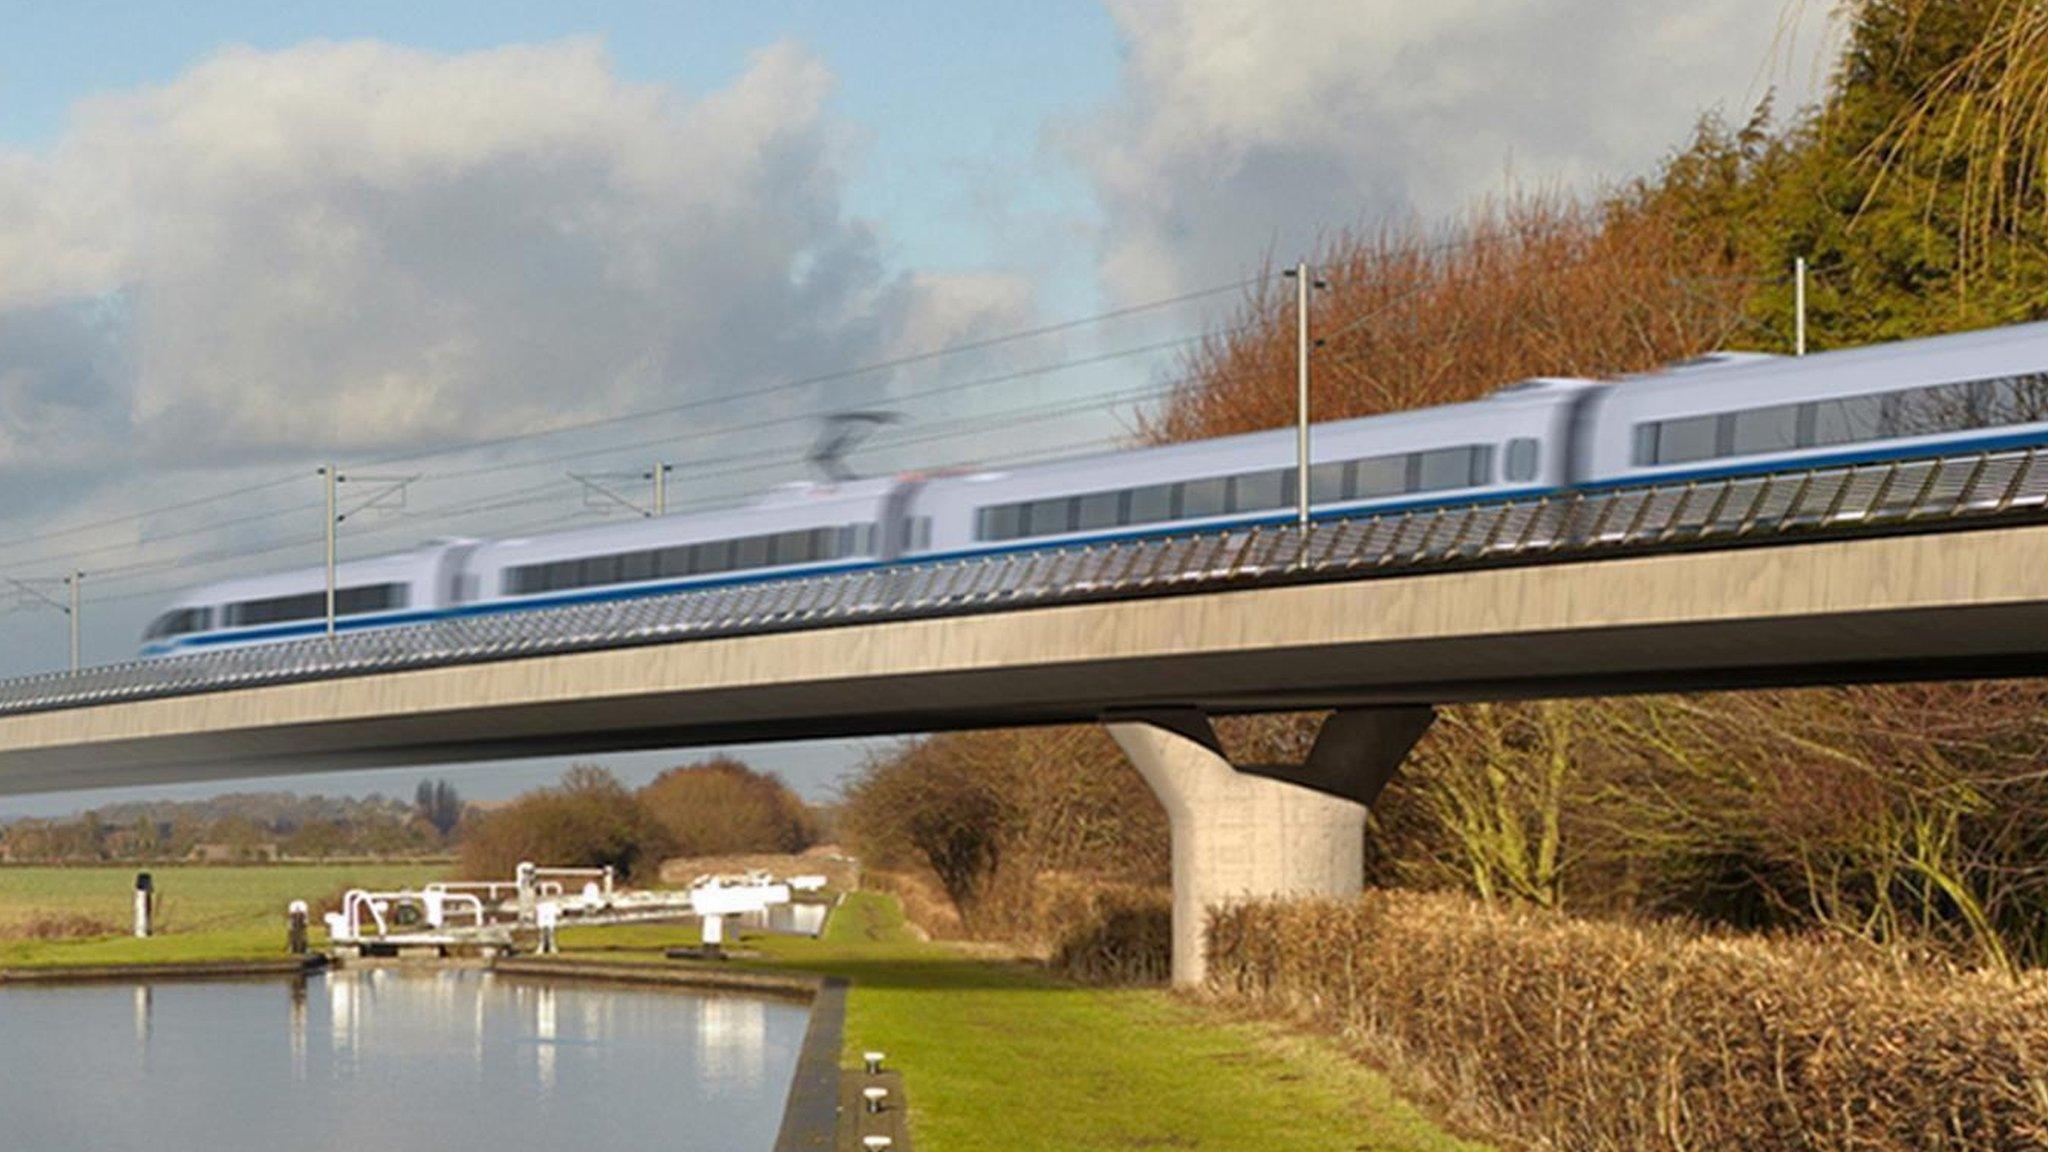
x,y
1686,440
1328,483
2017,399
1644,451
672,561
1048,517
1524,456
1759,430
1099,510
352,601
1848,420
1932,411
710,557
750,552
1380,476
1200,498
177,622
639,566
1152,504
1444,468
598,570
1259,491
366,598
277,609
1002,522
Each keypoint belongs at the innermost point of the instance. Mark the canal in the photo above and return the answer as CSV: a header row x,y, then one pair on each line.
x,y
391,1059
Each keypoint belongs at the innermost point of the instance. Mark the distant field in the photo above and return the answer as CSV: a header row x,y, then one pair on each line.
x,y
202,912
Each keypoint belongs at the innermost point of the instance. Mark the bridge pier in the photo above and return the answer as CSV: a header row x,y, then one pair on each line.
x,y
1247,831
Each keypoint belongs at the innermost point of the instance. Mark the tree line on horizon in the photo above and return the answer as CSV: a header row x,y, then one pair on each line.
x,y
243,826
713,807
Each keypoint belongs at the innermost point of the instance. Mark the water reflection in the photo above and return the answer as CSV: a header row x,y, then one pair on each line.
x,y
298,1028
544,1038
410,1060
142,995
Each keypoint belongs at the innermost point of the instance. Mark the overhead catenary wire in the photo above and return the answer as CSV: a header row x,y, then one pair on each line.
x,y
469,447
952,388
834,375
554,487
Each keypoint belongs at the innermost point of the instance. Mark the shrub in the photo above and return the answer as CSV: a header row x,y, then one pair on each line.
x,y
721,807
1116,935
988,814
1574,1034
587,821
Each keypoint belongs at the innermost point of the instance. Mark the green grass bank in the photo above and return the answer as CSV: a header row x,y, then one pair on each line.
x,y
999,1056
203,913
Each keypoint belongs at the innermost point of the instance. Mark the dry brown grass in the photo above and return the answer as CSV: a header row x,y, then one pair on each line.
x,y
1562,1033
60,926
925,904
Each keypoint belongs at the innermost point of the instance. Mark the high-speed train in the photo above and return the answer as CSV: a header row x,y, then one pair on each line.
x,y
1723,414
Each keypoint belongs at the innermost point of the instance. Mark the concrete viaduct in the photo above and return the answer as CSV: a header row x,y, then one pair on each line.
x,y
1379,652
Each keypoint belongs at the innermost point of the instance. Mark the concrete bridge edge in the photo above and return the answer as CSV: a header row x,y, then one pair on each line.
x,y
1275,830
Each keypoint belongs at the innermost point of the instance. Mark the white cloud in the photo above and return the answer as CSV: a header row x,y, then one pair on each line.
x,y
1243,126
358,247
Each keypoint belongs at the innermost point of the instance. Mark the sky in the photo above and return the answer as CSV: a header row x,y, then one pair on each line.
x,y
478,247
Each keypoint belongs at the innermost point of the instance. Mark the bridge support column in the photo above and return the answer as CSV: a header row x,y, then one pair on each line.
x,y
1242,832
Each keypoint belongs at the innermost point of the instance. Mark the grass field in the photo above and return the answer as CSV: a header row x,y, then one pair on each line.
x,y
217,913
997,1056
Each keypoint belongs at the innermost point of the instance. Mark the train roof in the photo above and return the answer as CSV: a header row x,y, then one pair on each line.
x,y
1535,392
1960,355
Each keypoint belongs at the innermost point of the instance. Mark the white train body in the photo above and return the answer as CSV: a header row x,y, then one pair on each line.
x,y
1722,415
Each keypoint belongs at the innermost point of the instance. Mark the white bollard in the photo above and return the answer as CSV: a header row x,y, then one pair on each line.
x,y
144,899
874,1097
295,929
876,1143
548,915
873,1060
526,881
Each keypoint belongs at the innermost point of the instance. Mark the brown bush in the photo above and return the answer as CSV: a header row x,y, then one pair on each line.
x,y
721,807
587,821
1112,934
988,814
1592,1036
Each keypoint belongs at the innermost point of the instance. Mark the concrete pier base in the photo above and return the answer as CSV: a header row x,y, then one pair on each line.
x,y
1239,836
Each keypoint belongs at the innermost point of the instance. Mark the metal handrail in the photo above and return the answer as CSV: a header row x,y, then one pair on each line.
x,y
1533,530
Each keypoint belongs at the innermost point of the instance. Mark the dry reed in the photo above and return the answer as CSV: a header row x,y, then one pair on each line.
x,y
59,926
